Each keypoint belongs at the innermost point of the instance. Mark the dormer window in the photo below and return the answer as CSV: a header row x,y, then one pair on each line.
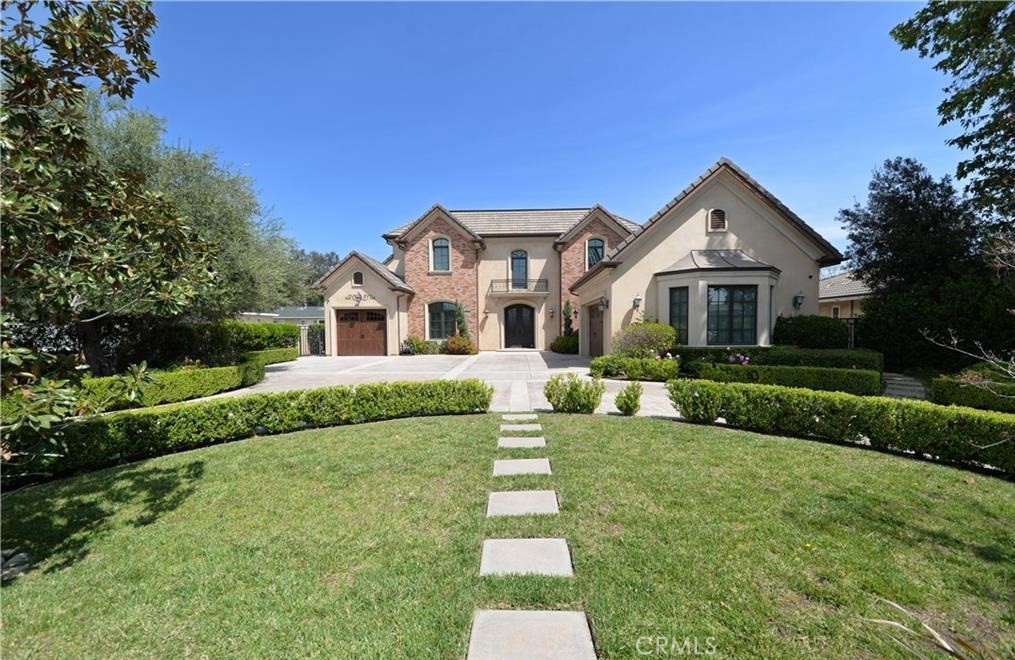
x,y
717,220
440,258
357,278
595,249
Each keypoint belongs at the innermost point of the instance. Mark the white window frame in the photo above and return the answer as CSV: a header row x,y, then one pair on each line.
x,y
430,244
606,247
708,221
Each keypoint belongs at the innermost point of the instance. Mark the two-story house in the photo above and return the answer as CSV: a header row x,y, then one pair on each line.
x,y
720,262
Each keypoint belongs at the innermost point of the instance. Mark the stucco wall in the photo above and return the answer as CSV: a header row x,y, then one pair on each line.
x,y
341,293
847,308
495,264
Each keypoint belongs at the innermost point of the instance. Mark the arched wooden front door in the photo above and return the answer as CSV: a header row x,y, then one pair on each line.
x,y
519,327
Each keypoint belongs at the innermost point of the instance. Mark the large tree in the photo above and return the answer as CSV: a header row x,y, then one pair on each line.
x,y
974,43
314,265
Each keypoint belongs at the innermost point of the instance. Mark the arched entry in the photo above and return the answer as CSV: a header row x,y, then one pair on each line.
x,y
519,326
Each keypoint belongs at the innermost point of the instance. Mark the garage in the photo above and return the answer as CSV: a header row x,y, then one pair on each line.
x,y
360,332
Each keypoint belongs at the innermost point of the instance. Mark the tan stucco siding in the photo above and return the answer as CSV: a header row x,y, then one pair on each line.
x,y
374,293
848,307
495,264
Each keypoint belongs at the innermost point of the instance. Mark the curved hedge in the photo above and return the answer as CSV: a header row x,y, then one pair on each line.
x,y
949,434
854,381
186,384
618,366
789,356
135,434
949,391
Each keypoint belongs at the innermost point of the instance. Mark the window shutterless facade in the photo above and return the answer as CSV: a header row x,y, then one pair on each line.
x,y
732,315
678,313
442,319
519,269
595,248
441,259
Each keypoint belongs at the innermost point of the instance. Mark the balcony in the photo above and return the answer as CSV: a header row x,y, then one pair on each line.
x,y
519,287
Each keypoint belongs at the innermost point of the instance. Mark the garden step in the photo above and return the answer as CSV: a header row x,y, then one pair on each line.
x,y
526,557
524,442
511,466
519,417
530,635
520,428
522,503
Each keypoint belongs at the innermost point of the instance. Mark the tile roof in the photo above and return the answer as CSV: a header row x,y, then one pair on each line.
x,y
502,222
300,312
393,280
716,260
843,285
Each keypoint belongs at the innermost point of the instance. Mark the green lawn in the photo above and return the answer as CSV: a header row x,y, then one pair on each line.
x,y
364,542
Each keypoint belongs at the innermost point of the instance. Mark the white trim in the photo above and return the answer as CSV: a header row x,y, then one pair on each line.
x,y
708,221
606,248
437,237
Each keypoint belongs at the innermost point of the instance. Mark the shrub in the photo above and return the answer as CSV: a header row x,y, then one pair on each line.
x,y
949,434
854,381
565,344
460,345
643,340
811,331
570,394
948,390
618,366
629,399
420,346
787,355
185,384
136,434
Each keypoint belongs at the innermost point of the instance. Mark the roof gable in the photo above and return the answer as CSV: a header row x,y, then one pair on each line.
x,y
433,213
517,222
597,212
391,279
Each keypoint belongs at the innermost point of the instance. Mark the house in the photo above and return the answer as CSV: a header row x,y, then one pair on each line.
x,y
720,262
842,296
306,315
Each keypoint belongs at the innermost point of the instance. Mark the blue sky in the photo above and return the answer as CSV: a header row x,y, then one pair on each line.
x,y
354,118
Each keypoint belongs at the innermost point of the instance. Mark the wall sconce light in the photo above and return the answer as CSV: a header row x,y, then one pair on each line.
x,y
552,310
637,302
798,301
604,305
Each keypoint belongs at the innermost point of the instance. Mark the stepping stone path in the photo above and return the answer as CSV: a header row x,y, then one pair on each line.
x,y
899,386
526,634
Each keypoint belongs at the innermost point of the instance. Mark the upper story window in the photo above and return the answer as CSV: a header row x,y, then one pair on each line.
x,y
441,255
519,269
357,278
717,220
595,250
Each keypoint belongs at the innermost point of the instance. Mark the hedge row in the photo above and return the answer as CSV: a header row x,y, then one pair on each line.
x,y
949,391
186,384
789,356
226,341
136,434
811,331
618,366
950,434
854,381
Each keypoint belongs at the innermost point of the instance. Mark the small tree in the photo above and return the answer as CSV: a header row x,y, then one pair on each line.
x,y
568,319
461,327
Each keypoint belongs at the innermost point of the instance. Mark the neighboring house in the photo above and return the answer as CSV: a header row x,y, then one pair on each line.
x,y
842,296
719,262
296,315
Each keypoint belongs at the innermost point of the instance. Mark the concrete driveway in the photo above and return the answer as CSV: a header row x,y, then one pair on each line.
x,y
517,376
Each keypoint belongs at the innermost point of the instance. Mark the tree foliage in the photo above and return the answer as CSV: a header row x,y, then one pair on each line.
x,y
974,43
913,230
314,265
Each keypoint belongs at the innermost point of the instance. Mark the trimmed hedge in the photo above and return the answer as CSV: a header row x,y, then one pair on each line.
x,y
618,366
789,356
135,434
643,339
811,331
565,344
950,391
186,384
854,381
950,434
568,393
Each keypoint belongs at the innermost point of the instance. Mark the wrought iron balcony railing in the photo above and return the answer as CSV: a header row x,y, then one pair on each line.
x,y
519,286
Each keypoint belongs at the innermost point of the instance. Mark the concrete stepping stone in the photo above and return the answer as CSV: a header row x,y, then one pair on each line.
x,y
510,466
530,635
520,428
523,417
522,503
524,442
526,557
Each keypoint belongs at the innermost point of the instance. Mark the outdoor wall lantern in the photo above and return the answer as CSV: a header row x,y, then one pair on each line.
x,y
637,302
552,310
798,301
604,305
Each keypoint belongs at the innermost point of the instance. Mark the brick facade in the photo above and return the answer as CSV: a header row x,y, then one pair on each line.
x,y
460,284
572,257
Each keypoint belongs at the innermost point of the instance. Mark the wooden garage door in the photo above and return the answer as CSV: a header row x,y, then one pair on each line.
x,y
360,332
